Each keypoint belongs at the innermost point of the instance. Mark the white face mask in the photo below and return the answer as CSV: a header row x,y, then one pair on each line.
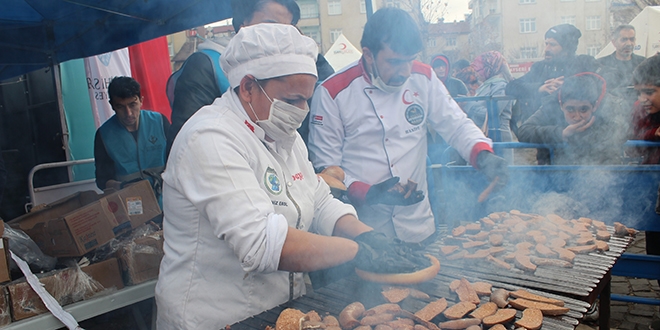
x,y
283,119
380,84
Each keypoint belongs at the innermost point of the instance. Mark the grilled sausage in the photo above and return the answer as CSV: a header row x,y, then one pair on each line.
x,y
496,239
499,263
603,235
448,249
419,294
458,255
482,288
500,297
459,310
480,236
466,292
551,262
532,319
479,254
486,309
487,223
545,251
376,319
395,295
582,249
546,309
383,309
524,263
459,324
602,246
378,327
498,327
501,316
524,294
349,316
473,228
458,231
473,244
453,285
473,327
433,309
565,254
330,321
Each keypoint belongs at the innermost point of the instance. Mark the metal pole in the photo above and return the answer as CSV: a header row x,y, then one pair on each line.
x,y
65,127
370,8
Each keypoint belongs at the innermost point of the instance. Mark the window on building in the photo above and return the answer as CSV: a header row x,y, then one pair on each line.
x,y
334,7
313,32
523,2
392,3
528,52
431,43
334,34
308,9
568,20
527,25
592,50
363,7
593,22
451,42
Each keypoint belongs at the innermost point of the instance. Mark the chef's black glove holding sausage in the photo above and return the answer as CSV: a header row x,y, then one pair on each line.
x,y
494,167
382,193
380,254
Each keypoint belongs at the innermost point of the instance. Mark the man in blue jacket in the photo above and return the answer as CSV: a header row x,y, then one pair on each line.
x,y
131,144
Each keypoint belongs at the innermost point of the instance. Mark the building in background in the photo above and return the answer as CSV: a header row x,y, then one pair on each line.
x,y
517,28
450,39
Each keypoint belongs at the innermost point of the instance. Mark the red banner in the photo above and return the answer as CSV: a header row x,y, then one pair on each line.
x,y
150,66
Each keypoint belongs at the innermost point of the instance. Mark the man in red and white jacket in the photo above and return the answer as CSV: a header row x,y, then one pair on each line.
x,y
371,119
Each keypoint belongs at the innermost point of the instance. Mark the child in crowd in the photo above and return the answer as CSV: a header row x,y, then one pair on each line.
x,y
646,126
646,111
577,120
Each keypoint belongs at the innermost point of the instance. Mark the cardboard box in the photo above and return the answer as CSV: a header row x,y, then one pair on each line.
x,y
140,259
4,257
5,310
65,285
81,222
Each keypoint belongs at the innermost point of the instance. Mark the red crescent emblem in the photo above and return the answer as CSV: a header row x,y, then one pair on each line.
x,y
403,97
342,46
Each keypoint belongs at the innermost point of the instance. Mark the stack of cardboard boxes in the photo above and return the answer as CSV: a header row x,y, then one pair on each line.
x,y
77,225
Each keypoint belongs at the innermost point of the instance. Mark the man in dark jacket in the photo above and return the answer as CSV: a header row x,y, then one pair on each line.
x,y
198,85
547,76
622,62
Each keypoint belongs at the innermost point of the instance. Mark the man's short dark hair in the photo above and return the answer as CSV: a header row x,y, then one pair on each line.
x,y
615,33
648,72
395,28
243,10
123,88
582,87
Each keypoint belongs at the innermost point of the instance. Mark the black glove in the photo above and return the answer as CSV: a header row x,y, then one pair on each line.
x,y
382,261
493,167
380,194
379,241
389,255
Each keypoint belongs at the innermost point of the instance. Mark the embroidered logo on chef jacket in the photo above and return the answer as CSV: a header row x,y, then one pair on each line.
x,y
415,114
272,182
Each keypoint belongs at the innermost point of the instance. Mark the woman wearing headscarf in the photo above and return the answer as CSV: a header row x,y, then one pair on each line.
x,y
245,214
492,69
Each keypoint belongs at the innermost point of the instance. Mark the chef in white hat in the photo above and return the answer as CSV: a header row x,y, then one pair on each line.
x,y
245,214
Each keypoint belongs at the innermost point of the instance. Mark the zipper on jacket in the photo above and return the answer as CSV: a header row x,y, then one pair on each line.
x,y
291,274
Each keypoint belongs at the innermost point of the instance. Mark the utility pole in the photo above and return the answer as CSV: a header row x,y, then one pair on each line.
x,y
369,7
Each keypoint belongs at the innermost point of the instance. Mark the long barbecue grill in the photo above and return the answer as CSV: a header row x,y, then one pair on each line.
x,y
578,287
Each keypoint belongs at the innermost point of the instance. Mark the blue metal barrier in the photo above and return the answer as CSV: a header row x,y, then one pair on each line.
x,y
641,266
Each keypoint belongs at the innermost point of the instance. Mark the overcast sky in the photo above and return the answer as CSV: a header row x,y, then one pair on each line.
x,y
456,10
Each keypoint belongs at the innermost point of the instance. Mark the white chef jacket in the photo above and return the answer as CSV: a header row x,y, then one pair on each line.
x,y
229,198
374,135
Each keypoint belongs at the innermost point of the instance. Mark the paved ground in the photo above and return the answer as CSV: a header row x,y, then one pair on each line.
x,y
629,316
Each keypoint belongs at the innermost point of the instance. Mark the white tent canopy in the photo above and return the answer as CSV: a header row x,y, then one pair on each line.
x,y
342,53
647,28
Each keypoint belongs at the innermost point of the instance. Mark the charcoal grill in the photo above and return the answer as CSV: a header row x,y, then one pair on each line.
x,y
578,287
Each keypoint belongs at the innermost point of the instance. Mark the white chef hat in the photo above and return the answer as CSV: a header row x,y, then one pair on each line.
x,y
266,51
